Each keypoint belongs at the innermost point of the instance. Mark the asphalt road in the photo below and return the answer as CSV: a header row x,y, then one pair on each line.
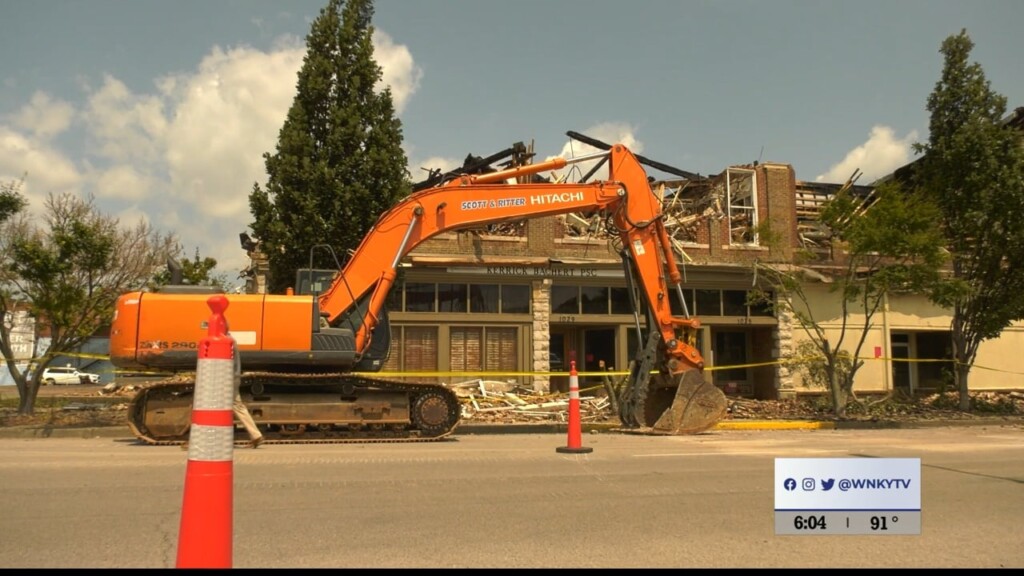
x,y
509,500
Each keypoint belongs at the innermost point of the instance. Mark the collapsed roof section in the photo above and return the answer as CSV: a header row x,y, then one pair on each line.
x,y
812,196
692,201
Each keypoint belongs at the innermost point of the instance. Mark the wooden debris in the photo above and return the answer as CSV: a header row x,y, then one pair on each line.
x,y
522,405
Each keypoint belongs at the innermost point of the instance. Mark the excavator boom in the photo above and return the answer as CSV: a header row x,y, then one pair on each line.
x,y
476,200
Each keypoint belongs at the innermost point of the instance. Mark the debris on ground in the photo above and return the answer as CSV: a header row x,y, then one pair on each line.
x,y
499,402
489,401
520,405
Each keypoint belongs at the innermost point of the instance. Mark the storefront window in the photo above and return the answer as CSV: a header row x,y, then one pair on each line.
x,y
565,299
730,350
419,297
709,303
394,300
482,348
420,348
452,298
677,307
734,302
413,348
483,298
515,299
594,299
620,301
763,307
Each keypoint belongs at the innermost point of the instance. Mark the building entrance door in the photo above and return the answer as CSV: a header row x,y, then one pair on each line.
x,y
598,356
562,346
899,343
731,355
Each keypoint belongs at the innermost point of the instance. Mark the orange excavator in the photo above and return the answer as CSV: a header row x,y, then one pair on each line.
x,y
309,359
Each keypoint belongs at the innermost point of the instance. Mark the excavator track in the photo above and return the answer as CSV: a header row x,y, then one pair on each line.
x,y
306,409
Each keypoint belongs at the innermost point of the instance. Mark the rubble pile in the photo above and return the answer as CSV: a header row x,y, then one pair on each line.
x,y
743,408
993,403
893,406
496,402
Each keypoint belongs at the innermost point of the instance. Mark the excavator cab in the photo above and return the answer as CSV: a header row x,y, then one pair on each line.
x,y
313,281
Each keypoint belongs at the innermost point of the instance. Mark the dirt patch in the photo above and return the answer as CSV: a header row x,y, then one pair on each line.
x,y
70,416
893,407
69,407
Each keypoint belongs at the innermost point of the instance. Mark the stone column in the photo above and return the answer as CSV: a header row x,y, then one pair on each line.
x,y
784,347
541,357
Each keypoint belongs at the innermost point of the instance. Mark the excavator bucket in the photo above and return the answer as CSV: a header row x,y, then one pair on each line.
x,y
681,404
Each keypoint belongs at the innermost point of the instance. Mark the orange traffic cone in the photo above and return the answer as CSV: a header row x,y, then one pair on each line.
x,y
575,441
204,539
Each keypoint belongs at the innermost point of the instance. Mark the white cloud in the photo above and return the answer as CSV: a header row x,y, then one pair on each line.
x,y
184,157
123,182
607,132
132,216
399,70
123,126
879,156
613,133
44,116
226,116
45,169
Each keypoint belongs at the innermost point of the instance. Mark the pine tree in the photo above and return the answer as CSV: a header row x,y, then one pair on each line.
x,y
973,167
339,162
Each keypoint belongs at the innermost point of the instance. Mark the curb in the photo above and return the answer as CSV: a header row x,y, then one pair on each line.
x,y
561,427
774,425
957,423
598,427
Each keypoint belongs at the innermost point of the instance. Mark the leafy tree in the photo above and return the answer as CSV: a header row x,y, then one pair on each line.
x,y
973,168
884,243
11,204
199,271
808,361
339,163
11,200
67,274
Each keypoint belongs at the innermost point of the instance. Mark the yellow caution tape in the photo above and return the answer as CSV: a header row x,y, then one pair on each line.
x,y
521,374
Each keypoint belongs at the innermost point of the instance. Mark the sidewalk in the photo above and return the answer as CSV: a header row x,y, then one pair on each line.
x,y
744,424
593,428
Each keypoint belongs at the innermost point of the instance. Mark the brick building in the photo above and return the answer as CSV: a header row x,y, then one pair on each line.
x,y
519,301
525,301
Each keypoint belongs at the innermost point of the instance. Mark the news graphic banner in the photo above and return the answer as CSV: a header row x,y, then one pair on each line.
x,y
848,496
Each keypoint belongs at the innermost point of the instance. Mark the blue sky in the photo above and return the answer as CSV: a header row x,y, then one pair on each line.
x,y
162,109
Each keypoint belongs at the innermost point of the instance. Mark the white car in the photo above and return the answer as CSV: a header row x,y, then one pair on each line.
x,y
68,375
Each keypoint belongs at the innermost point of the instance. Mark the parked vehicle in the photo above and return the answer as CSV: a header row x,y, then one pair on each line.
x,y
68,375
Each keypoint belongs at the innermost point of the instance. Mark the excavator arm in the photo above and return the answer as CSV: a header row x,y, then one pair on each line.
x,y
472,201
356,296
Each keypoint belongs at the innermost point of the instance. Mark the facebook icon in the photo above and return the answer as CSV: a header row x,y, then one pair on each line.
x,y
789,484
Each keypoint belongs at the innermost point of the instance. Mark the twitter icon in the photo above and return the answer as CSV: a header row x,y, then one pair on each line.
x,y
826,485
